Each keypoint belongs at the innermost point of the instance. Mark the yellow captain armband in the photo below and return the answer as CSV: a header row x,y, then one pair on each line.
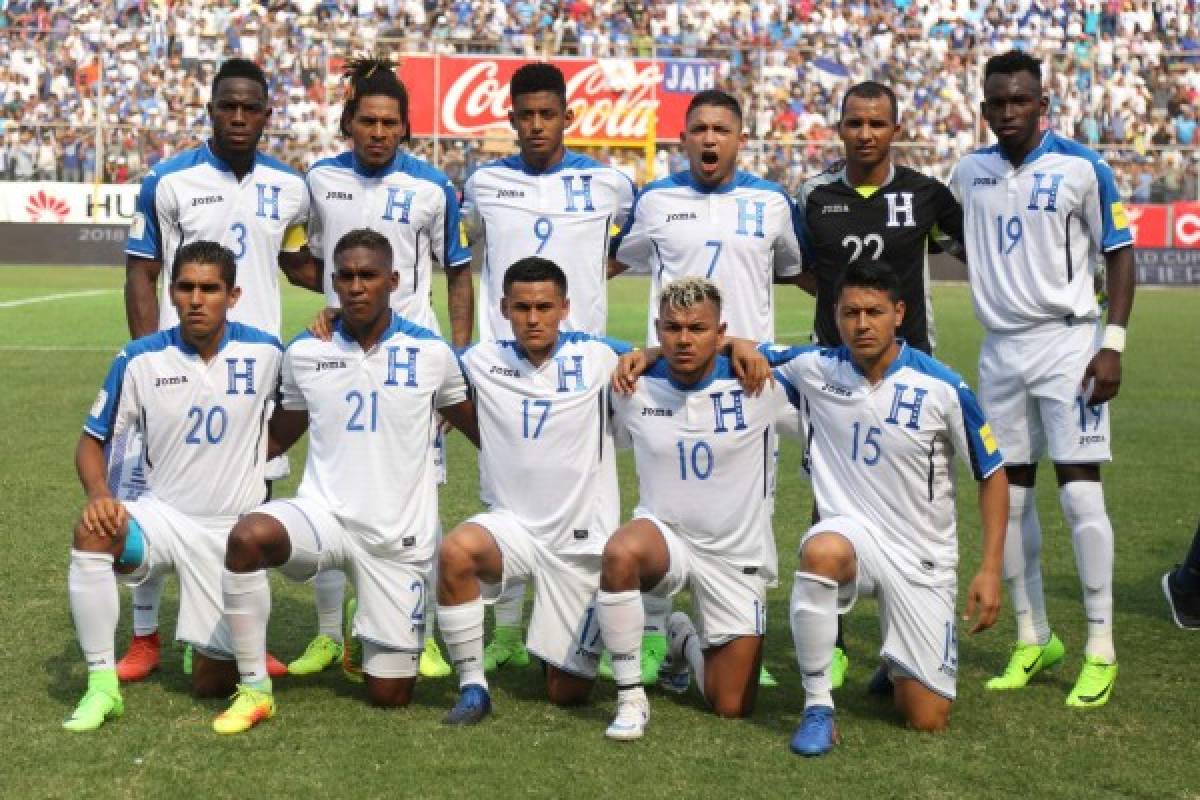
x,y
294,238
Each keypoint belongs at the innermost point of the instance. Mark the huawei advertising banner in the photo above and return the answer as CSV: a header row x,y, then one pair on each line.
x,y
615,100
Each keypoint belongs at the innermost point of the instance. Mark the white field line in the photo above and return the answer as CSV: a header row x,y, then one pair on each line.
x,y
53,348
46,298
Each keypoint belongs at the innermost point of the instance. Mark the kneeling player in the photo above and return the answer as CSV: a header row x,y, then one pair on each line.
x,y
368,501
198,394
703,450
550,482
885,421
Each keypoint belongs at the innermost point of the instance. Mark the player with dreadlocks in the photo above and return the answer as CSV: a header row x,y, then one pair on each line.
x,y
377,184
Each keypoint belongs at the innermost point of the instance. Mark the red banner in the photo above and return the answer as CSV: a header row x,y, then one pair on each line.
x,y
1185,229
467,96
1149,225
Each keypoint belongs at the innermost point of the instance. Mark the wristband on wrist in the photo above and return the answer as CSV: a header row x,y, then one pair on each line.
x,y
1114,338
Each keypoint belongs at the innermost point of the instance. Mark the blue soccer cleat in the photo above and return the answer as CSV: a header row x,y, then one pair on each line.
x,y
817,733
474,703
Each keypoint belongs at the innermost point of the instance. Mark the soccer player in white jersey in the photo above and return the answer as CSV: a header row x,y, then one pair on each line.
x,y
551,483
199,393
885,422
714,221
377,185
1042,216
368,501
549,202
699,439
225,191
741,232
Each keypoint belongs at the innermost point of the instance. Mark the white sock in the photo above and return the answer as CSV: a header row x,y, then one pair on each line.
x,y
247,600
813,614
92,589
462,630
658,608
510,605
1023,566
147,597
621,619
329,592
1092,533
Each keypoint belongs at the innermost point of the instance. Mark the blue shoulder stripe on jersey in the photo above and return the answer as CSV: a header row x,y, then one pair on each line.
x,y
149,244
914,359
570,160
793,395
302,335
340,161
265,160
1112,237
722,370
408,328
100,425
240,332
779,354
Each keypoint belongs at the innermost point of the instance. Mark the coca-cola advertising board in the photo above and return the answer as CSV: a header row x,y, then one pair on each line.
x,y
613,99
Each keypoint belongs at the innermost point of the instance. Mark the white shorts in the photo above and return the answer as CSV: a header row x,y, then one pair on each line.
x,y
194,549
562,628
1030,387
920,640
728,601
392,594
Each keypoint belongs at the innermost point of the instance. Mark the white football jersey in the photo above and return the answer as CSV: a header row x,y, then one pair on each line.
x,y
739,236
410,202
203,425
194,196
567,214
1036,234
371,424
882,454
546,450
705,458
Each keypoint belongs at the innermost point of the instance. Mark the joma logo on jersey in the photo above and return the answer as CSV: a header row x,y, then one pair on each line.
x,y
339,195
326,365
835,208
207,200
986,182
510,193
832,388
1045,185
506,371
682,216
173,380
657,412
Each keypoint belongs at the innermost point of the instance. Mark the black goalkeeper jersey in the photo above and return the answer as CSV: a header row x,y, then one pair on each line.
x,y
895,225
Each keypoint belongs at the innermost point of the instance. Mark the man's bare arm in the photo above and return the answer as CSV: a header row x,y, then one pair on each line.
x,y
141,295
460,303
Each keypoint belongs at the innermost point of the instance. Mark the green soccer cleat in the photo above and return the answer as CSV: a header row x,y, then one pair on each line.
x,y
1026,661
351,647
100,703
321,652
1094,685
765,678
654,652
506,649
250,707
432,664
838,668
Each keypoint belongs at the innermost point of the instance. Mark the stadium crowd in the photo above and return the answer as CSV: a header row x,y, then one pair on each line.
x,y
1120,73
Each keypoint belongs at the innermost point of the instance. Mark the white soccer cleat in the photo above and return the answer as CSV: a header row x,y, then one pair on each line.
x,y
633,715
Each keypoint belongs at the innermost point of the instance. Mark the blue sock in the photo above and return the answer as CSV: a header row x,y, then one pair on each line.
x,y
1187,577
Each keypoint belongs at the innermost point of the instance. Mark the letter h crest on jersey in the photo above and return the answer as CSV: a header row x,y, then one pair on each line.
x,y
237,376
751,215
268,204
409,365
565,372
721,411
1045,186
584,193
912,407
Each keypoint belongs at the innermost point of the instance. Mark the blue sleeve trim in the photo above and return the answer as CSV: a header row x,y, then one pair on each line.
x,y
793,396
778,355
618,346
240,332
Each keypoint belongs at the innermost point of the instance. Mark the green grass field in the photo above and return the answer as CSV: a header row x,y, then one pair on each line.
x,y
326,741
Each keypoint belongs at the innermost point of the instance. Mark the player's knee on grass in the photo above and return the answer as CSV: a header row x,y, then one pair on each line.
x,y
731,676
390,692
564,689
923,709
829,555
211,676
257,541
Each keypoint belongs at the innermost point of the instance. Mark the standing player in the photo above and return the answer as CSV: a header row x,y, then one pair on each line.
x,y
716,222
198,394
870,209
544,423
368,500
1041,215
378,185
699,439
885,422
549,202
224,191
